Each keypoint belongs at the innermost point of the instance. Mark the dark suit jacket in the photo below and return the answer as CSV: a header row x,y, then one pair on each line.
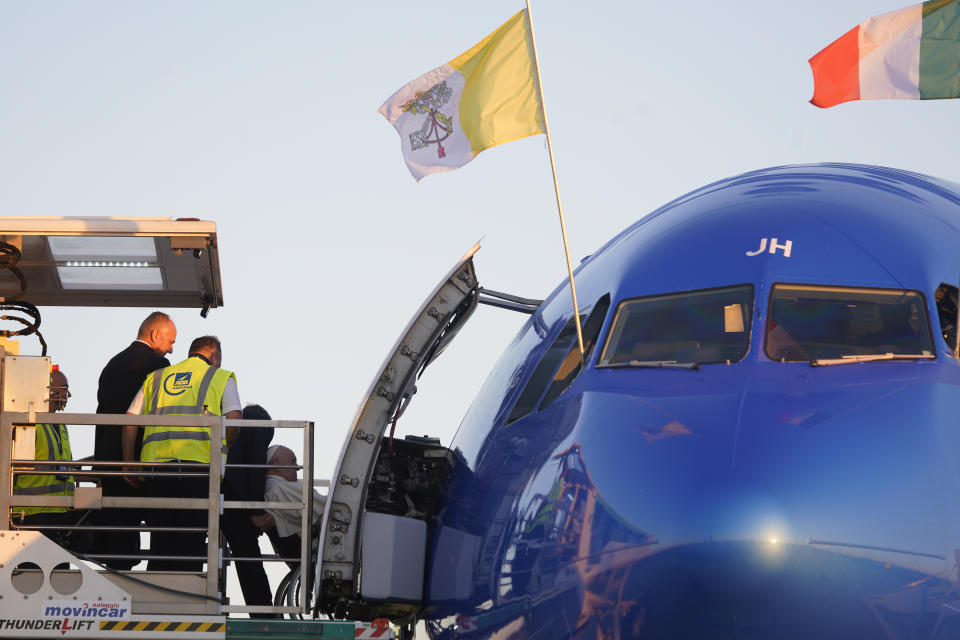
x,y
250,447
119,382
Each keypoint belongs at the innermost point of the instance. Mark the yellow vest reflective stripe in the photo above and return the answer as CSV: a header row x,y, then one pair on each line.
x,y
188,388
52,443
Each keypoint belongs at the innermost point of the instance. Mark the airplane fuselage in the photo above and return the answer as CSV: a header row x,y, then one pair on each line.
x,y
763,442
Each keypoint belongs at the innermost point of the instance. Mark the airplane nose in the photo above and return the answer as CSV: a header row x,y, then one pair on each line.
x,y
747,515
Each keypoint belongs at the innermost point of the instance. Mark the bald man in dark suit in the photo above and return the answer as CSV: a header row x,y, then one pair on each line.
x,y
119,382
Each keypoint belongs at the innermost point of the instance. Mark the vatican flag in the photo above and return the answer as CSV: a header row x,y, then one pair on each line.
x,y
484,97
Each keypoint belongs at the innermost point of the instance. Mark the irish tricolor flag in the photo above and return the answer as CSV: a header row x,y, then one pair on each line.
x,y
484,97
908,54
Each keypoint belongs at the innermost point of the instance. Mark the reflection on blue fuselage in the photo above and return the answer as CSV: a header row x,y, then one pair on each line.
x,y
755,499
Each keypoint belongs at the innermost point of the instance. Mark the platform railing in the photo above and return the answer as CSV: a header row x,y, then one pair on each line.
x,y
91,498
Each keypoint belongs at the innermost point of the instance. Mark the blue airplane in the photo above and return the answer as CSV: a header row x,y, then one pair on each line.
x,y
762,439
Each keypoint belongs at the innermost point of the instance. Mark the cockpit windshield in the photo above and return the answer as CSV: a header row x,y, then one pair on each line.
x,y
832,325
681,330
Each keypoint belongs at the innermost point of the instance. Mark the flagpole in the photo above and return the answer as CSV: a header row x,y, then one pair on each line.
x,y
556,187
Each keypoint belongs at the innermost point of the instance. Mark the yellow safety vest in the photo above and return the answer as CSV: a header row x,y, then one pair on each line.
x,y
52,443
188,388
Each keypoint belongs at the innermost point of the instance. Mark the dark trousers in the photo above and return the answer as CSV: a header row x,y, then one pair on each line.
x,y
179,543
118,542
286,547
289,547
242,537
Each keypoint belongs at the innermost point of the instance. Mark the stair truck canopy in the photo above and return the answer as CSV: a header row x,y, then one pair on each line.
x,y
111,262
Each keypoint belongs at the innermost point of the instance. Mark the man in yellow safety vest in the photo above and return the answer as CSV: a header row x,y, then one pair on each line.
x,y
52,443
194,387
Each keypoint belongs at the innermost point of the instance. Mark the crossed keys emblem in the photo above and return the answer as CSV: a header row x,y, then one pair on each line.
x,y
437,127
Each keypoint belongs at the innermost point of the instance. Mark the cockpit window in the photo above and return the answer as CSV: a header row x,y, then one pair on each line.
x,y
543,373
946,297
561,364
681,329
571,365
829,325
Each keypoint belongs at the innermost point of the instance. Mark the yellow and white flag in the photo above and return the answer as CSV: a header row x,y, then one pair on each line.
x,y
482,98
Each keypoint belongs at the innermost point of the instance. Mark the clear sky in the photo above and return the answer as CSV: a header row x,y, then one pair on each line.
x,y
261,116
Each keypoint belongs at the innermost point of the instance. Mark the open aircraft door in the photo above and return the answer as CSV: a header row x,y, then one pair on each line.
x,y
373,535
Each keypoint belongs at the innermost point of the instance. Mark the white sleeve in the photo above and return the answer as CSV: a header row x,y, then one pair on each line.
x,y
230,401
137,405
287,520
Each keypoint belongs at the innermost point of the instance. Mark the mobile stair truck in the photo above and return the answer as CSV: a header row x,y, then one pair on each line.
x,y
379,505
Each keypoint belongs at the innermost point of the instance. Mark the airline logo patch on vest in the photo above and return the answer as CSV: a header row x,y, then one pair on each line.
x,y
181,382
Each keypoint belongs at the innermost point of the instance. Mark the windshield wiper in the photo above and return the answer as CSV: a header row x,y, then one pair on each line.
x,y
653,364
872,357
